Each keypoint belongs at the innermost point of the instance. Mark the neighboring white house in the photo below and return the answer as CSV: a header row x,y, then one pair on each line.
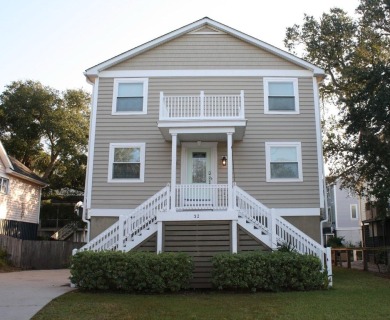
x,y
20,197
205,140
344,214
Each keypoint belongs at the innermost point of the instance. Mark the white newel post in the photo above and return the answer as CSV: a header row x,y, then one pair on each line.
x,y
329,265
230,169
173,172
274,244
242,106
202,104
121,232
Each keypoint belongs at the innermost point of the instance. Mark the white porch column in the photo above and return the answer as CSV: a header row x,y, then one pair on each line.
x,y
234,236
173,172
230,169
159,236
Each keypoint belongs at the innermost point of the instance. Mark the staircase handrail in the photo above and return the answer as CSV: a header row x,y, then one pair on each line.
x,y
115,236
252,209
69,228
144,215
281,231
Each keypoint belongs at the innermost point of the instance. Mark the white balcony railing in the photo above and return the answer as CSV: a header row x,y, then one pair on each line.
x,y
201,197
202,107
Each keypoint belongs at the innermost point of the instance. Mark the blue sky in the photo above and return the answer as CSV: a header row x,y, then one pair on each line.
x,y
54,41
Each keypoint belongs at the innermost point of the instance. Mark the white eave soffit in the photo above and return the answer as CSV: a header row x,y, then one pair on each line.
x,y
196,28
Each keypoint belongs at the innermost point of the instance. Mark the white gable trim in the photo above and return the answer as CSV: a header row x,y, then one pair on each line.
x,y
94,71
4,158
205,73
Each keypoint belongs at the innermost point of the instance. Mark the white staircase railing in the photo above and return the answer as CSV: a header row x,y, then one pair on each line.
x,y
127,227
279,230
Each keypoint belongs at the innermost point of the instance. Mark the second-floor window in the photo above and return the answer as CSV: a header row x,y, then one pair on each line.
x,y
283,161
130,96
281,96
126,162
4,183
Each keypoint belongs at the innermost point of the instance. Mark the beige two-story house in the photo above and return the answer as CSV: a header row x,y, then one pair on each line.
x,y
205,140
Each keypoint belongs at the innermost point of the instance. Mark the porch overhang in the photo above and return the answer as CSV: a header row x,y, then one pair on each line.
x,y
204,131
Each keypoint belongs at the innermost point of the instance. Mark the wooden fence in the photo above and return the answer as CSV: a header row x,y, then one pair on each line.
x,y
33,254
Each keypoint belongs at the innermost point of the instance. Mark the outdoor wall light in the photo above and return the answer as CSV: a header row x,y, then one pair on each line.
x,y
224,161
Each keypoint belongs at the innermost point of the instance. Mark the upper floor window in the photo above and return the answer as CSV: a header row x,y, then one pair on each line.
x,y
126,162
283,161
4,183
281,96
354,211
130,96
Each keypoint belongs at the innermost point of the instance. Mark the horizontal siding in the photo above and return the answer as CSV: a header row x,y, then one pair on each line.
x,y
247,242
22,201
149,245
201,240
248,154
218,51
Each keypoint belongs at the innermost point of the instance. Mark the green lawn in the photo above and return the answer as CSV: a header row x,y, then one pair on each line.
x,y
355,295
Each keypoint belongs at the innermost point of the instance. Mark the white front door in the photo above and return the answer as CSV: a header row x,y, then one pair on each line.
x,y
199,166
198,175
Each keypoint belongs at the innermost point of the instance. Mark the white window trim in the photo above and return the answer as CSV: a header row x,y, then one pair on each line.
x,y
6,181
117,81
268,146
140,145
294,81
357,211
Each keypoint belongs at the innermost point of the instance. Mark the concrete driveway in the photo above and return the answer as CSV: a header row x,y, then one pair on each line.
x,y
24,293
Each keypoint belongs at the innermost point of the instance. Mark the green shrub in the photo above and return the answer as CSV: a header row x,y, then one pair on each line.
x,y
276,271
4,261
131,272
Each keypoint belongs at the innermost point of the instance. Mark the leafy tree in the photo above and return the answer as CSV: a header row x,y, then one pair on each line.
x,y
47,130
354,52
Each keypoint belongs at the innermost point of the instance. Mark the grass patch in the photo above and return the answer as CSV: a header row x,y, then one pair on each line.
x,y
355,295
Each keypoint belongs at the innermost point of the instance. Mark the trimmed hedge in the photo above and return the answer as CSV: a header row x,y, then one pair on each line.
x,y
276,271
131,272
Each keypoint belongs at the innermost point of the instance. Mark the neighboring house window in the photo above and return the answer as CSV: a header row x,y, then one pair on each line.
x,y
126,162
283,161
130,96
4,185
281,96
354,211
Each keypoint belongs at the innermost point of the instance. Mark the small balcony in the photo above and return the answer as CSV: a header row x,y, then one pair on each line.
x,y
201,107
202,111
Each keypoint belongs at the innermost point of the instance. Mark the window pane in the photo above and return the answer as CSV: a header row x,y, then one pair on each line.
x,y
130,90
353,212
284,170
130,104
127,155
280,89
284,154
281,103
199,167
126,170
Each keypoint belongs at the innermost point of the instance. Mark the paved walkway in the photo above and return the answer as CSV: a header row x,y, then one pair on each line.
x,y
24,293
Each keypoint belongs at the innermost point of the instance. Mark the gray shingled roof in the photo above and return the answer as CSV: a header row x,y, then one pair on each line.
x,y
23,170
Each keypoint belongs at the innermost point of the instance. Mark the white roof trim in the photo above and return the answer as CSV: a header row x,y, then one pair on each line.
x,y
94,71
4,157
